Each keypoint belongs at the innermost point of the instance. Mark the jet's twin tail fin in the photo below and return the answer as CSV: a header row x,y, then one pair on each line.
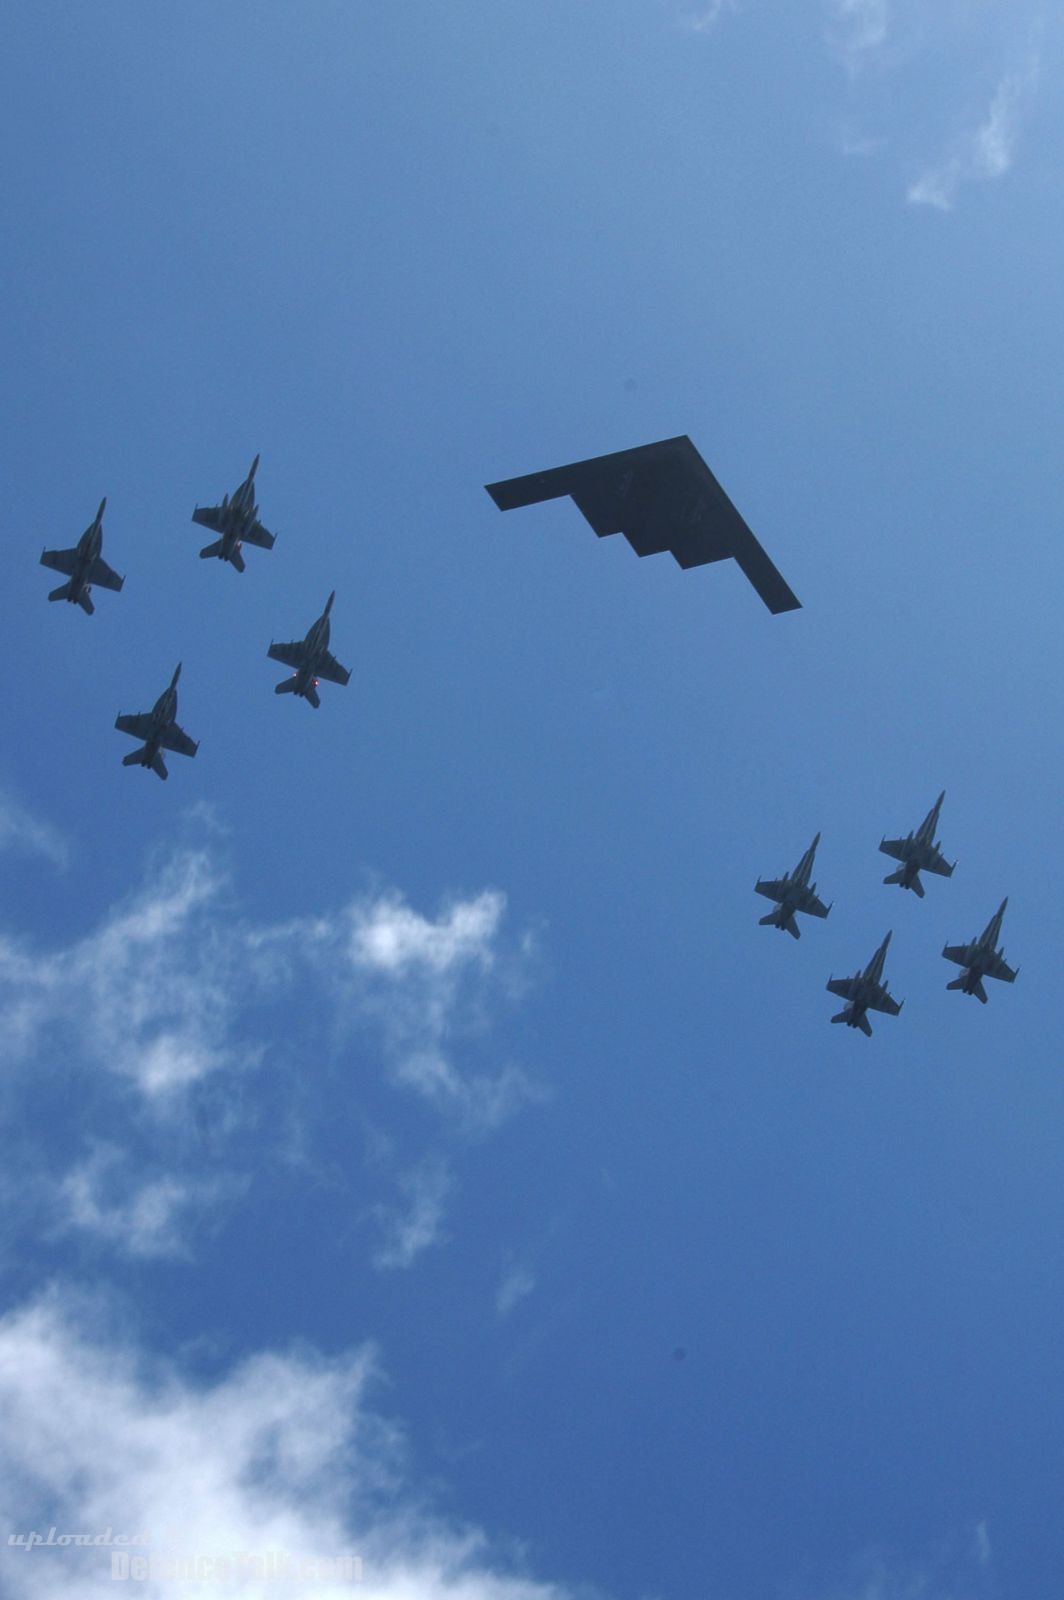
x,y
65,591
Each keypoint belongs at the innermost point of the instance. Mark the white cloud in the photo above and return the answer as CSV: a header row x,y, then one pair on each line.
x,y
984,154
417,1224
859,27
517,1282
424,980
706,18
20,831
143,1219
283,1454
387,936
146,996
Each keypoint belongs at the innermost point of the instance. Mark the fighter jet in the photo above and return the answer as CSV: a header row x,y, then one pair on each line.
x,y
84,566
981,959
865,993
918,852
794,893
158,730
236,520
661,497
311,659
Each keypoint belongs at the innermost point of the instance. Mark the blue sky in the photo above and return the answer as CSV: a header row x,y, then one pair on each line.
x,y
412,1145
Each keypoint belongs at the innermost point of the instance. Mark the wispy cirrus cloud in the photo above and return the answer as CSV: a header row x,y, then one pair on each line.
x,y
517,1282
415,1224
144,995
707,16
166,997
146,1218
22,832
425,981
857,28
284,1452
986,153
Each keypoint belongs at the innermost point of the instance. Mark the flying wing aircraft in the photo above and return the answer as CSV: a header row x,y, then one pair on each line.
x,y
311,660
793,892
918,852
865,993
661,497
159,731
84,566
236,519
981,959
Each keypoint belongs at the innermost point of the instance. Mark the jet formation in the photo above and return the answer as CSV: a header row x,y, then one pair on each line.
x,y
83,566
918,851
236,519
159,730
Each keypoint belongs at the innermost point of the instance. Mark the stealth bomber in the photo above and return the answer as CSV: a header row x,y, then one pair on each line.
x,y
981,959
310,659
236,519
661,497
159,731
865,993
83,566
918,852
793,892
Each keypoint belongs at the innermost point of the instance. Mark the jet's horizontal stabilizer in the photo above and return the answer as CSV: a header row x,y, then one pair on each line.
x,y
159,765
843,1016
311,694
211,550
135,758
286,686
970,987
62,593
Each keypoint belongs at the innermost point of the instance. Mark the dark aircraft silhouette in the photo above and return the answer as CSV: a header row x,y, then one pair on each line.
x,y
237,521
794,893
311,659
84,566
918,852
661,497
980,959
158,730
865,993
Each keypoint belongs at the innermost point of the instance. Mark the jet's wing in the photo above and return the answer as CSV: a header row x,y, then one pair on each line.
x,y
330,669
292,655
209,517
104,576
935,861
64,561
259,535
176,739
882,1001
1001,969
139,725
771,888
894,847
957,953
845,988
812,905
661,497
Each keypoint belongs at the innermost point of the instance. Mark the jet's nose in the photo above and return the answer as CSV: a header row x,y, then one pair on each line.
x,y
254,467
99,513
328,603
177,674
